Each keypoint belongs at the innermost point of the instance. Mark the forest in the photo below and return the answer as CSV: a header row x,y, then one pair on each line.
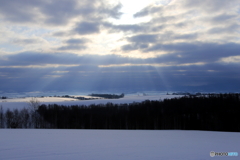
x,y
212,112
108,96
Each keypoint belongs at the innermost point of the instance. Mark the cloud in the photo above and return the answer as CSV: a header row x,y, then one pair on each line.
x,y
205,52
144,38
38,58
230,59
212,6
83,28
148,10
74,44
58,12
229,29
140,41
186,36
151,64
151,42
185,25
18,11
60,34
94,27
124,27
187,53
196,12
77,41
72,47
114,11
27,41
223,18
135,46
41,66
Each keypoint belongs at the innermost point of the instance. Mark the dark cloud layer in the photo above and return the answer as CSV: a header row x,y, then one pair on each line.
x,y
87,74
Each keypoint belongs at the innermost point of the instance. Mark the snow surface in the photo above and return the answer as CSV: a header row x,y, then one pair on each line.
x,y
23,102
29,144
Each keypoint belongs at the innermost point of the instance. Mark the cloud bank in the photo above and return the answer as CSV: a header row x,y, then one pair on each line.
x,y
81,45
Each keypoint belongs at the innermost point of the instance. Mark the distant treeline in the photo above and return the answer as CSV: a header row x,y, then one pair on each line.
x,y
108,96
206,112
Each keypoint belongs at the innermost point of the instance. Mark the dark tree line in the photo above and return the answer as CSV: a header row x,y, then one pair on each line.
x,y
108,96
206,112
209,112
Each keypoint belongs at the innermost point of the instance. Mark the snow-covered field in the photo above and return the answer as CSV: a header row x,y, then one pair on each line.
x,y
23,102
29,144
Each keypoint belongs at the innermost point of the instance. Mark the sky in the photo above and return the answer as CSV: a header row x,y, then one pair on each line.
x,y
119,46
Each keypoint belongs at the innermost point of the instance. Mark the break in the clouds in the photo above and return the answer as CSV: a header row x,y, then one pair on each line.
x,y
164,45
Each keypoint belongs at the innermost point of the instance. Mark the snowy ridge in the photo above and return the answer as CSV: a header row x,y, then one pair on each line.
x,y
23,102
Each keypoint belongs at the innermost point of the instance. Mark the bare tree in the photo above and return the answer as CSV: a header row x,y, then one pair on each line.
x,y
25,118
1,117
35,117
9,118
16,123
34,103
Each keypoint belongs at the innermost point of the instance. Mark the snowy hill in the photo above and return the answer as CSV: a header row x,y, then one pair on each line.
x,y
23,102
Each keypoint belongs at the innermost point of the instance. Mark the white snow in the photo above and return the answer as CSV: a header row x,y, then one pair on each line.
x,y
29,144
41,99
23,102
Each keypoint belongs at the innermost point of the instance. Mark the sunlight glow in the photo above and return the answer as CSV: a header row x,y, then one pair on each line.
x,y
153,64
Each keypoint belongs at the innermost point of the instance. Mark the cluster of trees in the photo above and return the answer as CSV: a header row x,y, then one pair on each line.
x,y
206,112
108,96
23,118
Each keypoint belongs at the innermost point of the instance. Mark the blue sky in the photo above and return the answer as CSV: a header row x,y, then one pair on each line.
x,y
119,46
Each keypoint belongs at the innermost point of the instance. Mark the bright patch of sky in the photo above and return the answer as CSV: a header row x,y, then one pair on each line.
x,y
129,8
6,47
